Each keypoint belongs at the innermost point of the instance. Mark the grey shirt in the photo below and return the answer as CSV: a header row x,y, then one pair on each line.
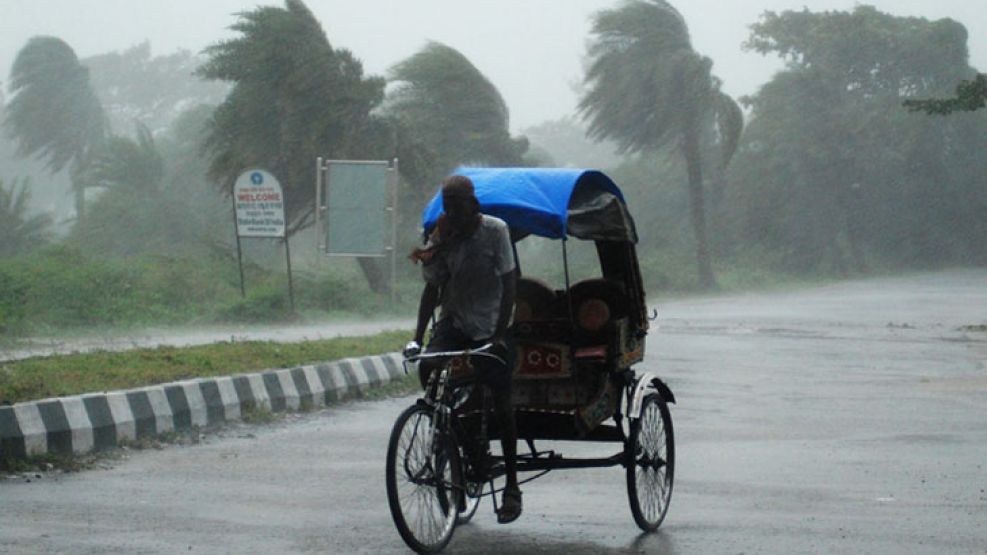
x,y
470,277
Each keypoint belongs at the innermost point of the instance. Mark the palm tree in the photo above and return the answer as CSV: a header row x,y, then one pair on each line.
x,y
123,162
54,113
646,87
453,110
19,231
294,98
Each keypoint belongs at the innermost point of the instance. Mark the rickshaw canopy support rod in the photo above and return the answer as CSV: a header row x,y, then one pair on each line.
x,y
565,267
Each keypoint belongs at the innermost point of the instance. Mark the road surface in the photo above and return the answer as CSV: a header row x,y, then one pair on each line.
x,y
850,418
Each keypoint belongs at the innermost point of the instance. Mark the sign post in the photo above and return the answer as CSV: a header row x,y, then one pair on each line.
x,y
356,209
258,201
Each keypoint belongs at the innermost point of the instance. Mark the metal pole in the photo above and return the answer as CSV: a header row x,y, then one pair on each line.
x,y
565,265
318,203
239,250
291,286
395,177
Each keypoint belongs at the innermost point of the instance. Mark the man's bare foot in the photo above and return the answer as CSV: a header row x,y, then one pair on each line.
x,y
510,507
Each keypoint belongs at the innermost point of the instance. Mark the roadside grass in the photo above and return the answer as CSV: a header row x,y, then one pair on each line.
x,y
43,463
65,287
43,377
151,366
37,467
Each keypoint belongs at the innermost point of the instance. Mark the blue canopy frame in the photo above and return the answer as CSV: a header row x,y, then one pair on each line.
x,y
556,203
540,201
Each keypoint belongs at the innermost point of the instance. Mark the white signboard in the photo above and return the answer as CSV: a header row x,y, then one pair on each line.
x,y
259,203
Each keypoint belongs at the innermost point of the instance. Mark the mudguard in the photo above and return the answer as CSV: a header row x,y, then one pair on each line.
x,y
646,383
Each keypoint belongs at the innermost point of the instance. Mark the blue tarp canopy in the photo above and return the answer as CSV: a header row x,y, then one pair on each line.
x,y
548,202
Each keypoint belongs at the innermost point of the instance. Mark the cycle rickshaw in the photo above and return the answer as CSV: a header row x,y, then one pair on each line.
x,y
574,375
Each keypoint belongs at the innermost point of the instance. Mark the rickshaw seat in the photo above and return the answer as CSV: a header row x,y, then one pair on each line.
x,y
535,300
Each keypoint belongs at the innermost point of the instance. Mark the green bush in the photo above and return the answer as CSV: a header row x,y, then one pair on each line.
x,y
63,287
12,302
185,287
262,304
68,289
333,292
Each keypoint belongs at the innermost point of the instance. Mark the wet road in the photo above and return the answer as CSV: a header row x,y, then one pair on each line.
x,y
850,418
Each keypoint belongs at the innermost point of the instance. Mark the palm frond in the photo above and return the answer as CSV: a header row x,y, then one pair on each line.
x,y
729,124
19,230
453,107
54,114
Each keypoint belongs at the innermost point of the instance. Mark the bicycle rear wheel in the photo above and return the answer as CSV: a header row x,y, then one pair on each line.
x,y
422,470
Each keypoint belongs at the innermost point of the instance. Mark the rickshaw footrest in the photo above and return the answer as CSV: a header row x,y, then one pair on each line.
x,y
559,462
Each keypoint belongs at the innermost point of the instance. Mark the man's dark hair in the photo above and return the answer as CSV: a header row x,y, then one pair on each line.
x,y
459,186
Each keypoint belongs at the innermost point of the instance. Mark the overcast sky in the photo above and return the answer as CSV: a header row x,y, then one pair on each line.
x,y
530,49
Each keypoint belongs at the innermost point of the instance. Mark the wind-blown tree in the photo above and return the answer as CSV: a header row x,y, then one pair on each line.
x,y
133,216
123,162
836,175
19,231
647,88
134,85
54,114
294,98
453,111
157,199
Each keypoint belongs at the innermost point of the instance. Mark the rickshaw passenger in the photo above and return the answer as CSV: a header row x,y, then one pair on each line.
x,y
468,261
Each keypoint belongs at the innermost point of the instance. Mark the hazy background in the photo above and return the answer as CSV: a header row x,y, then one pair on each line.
x,y
829,177
530,49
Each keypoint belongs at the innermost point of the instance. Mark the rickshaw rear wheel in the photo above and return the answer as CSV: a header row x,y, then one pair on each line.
x,y
422,471
651,463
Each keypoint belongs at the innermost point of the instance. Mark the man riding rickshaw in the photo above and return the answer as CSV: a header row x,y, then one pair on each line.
x,y
561,369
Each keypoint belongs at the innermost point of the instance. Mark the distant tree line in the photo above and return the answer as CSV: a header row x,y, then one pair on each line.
x,y
288,97
833,174
825,171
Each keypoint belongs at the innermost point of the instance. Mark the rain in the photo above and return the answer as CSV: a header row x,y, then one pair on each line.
x,y
805,178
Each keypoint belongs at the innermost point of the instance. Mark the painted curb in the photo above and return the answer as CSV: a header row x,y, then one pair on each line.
x,y
95,421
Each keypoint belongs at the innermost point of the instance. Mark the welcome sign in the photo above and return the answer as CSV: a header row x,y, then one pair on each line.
x,y
259,203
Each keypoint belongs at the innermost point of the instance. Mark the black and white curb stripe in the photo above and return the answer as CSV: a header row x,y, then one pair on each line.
x,y
91,422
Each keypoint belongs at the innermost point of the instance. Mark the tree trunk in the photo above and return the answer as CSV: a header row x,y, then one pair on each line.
x,y
375,275
850,206
80,204
693,162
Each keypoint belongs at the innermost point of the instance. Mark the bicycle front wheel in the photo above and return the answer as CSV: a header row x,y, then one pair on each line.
x,y
471,501
422,470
